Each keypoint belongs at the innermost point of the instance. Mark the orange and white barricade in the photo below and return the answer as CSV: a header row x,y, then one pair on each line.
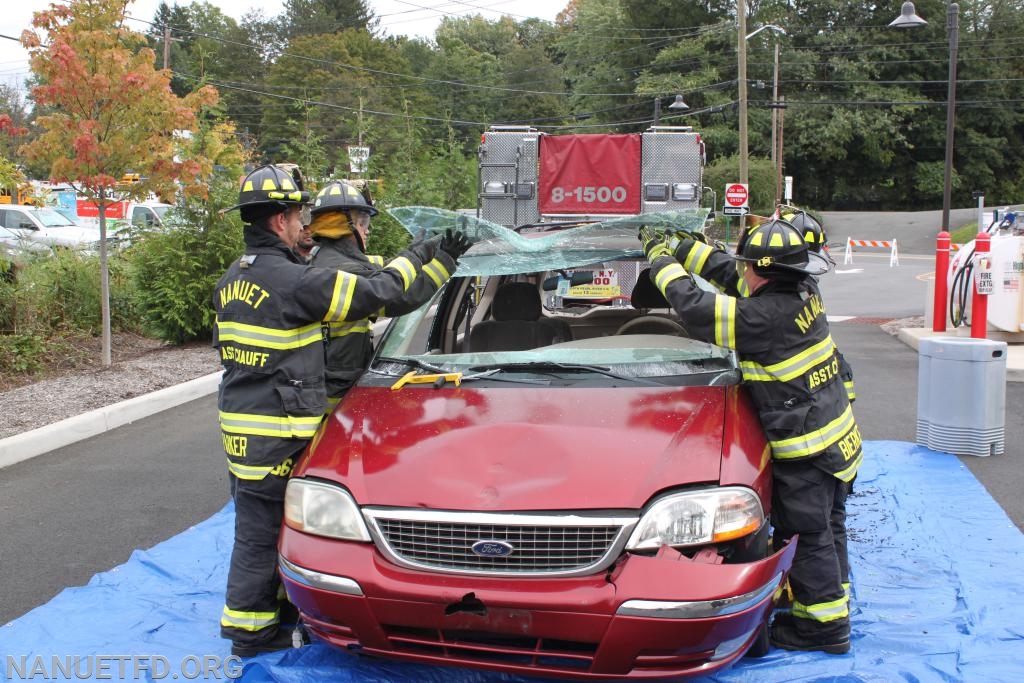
x,y
894,254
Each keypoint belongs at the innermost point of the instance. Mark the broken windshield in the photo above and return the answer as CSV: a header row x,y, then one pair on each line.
x,y
599,321
498,250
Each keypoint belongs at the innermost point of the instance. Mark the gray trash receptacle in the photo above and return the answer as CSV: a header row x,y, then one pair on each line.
x,y
961,395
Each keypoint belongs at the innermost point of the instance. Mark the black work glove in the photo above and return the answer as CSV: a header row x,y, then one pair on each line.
x,y
455,244
424,248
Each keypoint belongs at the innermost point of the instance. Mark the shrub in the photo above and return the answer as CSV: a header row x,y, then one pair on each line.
x,y
173,272
21,353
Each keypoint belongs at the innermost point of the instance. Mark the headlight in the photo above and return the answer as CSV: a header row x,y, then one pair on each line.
x,y
698,517
323,510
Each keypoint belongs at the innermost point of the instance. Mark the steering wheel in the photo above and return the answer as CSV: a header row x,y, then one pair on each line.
x,y
652,324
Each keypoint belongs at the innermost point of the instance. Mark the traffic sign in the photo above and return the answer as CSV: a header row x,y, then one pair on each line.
x,y
734,210
357,157
736,195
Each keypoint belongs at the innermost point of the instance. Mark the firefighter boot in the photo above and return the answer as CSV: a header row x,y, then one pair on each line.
x,y
791,633
282,640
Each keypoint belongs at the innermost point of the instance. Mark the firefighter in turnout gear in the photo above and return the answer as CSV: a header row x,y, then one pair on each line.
x,y
270,308
718,267
341,225
791,369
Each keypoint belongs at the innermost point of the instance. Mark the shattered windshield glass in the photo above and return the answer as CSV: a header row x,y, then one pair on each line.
x,y
498,250
547,255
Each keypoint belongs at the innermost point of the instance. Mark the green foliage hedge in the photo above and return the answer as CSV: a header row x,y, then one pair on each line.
x,y
47,300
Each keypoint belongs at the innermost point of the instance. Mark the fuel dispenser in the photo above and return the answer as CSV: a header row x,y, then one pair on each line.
x,y
1000,274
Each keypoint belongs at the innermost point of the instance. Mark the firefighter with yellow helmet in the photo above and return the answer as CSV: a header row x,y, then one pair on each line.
x,y
791,369
341,227
270,308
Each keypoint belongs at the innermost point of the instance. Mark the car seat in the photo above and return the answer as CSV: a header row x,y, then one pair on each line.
x,y
516,322
644,297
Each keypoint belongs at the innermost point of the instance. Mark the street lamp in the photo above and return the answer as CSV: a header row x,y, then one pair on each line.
x,y
775,107
908,19
742,77
677,105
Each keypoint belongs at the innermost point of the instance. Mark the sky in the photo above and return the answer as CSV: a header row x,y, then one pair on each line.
x,y
397,17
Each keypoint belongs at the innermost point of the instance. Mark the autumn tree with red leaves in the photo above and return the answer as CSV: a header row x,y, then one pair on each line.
x,y
109,112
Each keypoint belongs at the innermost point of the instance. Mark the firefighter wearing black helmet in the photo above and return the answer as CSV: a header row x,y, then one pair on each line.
x,y
718,267
341,226
791,369
270,308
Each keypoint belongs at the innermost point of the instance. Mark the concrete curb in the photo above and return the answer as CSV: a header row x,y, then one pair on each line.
x,y
53,436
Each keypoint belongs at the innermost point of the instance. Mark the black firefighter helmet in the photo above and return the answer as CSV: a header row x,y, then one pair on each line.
x,y
270,190
339,195
778,251
807,226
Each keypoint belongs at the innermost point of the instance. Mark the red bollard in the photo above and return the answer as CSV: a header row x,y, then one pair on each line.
x,y
941,286
982,285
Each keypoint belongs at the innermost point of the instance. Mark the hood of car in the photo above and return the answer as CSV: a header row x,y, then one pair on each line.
x,y
514,448
68,236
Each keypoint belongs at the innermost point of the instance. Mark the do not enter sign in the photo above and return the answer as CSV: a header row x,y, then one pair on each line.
x,y
736,195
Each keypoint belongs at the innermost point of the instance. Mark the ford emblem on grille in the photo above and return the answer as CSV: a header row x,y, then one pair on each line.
x,y
492,548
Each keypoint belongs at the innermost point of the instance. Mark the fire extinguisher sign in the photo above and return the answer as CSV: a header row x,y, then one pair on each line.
x,y
737,196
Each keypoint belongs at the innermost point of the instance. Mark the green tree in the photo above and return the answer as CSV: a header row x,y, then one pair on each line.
x,y
315,17
323,83
113,113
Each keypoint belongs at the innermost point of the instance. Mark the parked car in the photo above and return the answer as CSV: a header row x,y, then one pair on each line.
x,y
538,475
69,214
44,225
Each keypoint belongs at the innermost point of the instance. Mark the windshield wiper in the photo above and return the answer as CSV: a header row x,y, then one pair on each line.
x,y
488,373
413,362
553,366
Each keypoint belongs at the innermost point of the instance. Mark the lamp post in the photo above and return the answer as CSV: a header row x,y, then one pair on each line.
x,y
677,105
776,114
908,19
742,85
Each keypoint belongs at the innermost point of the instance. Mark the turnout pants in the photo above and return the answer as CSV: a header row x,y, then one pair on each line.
x,y
255,597
812,503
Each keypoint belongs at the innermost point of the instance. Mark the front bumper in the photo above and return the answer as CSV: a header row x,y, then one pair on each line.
x,y
647,617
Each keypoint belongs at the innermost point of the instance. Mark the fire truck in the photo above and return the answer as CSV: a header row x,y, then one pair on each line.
x,y
531,180
526,177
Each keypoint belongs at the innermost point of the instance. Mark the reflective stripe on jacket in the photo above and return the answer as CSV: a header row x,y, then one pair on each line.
x,y
270,308
788,361
350,344
719,268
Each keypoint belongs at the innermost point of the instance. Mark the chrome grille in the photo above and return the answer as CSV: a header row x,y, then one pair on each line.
x,y
541,544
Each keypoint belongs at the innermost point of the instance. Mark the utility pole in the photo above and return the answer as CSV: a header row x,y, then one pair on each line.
x,y
167,46
775,116
360,121
741,48
781,112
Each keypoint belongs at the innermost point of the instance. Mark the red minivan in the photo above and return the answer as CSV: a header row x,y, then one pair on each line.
x,y
540,473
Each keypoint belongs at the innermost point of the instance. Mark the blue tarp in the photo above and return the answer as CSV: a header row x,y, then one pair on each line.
x,y
938,595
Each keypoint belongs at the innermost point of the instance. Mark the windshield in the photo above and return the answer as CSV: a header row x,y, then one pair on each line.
x,y
498,250
160,211
583,281
52,219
